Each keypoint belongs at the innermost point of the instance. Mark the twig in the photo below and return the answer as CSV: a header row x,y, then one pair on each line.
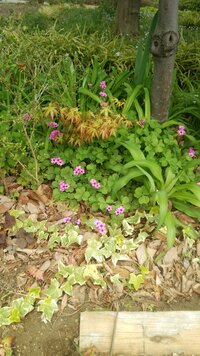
x,y
113,334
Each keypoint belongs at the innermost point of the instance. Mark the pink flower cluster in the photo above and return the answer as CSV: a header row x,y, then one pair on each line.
x,y
191,152
55,134
57,160
109,208
103,85
52,124
64,186
95,184
67,219
79,170
102,93
119,210
100,226
181,130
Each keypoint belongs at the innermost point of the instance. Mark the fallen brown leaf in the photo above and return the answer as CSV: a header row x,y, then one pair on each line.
x,y
5,204
36,273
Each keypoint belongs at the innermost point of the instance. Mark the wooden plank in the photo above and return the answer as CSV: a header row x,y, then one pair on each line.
x,y
142,333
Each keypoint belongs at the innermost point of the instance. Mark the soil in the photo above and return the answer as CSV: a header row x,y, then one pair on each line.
x,y
14,9
60,336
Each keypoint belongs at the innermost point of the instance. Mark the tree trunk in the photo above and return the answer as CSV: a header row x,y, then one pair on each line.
x,y
164,43
127,19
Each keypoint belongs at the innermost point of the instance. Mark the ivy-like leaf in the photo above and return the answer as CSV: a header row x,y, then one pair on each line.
x,y
93,250
4,316
64,270
136,280
48,307
119,257
67,288
115,279
16,213
128,229
54,290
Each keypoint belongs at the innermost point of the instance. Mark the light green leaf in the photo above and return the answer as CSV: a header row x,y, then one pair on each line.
x,y
23,306
136,280
48,307
193,187
54,240
16,213
119,257
187,209
4,316
34,292
128,229
186,197
115,279
134,150
154,168
123,181
151,181
42,235
144,270
54,290
91,271
93,250
170,223
130,100
67,288
64,270
162,199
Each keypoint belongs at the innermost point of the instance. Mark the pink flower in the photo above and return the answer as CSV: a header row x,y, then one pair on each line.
x,y
191,152
181,130
79,170
67,219
78,222
27,117
95,184
103,94
55,134
119,210
64,186
57,160
52,124
103,84
109,208
100,226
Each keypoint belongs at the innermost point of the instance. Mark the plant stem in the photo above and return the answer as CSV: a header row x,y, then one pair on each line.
x,y
33,153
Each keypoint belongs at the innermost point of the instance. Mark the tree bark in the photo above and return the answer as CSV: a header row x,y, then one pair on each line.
x,y
127,19
164,43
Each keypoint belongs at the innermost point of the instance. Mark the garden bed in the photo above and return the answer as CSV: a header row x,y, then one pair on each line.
x,y
171,283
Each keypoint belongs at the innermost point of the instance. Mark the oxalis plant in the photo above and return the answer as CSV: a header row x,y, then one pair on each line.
x,y
163,187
